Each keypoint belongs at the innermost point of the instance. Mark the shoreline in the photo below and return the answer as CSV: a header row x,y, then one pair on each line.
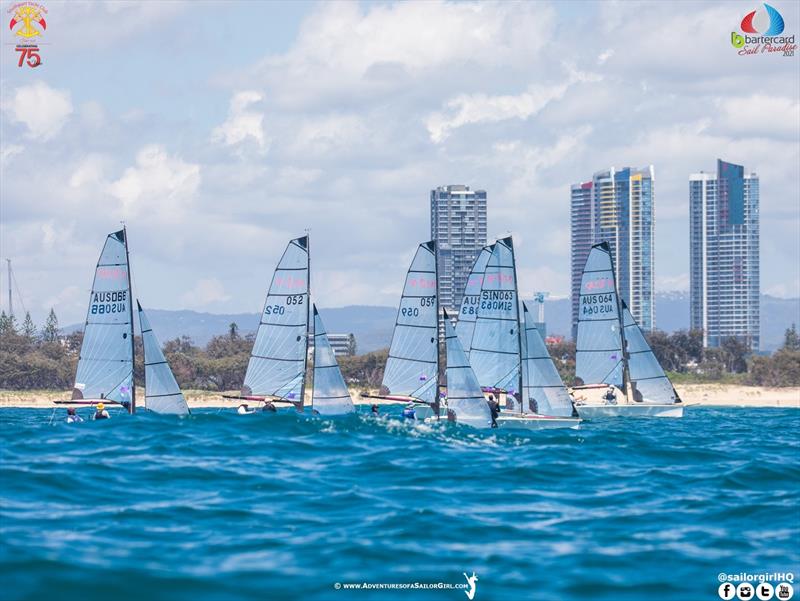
x,y
707,395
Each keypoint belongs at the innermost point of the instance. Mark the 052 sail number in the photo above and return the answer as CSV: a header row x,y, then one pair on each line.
x,y
292,299
596,304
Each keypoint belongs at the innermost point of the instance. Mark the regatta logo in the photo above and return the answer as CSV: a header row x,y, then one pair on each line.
x,y
769,24
28,25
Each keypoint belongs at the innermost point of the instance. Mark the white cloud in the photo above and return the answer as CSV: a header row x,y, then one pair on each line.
x,y
604,56
158,182
7,152
759,115
243,124
42,109
482,108
206,291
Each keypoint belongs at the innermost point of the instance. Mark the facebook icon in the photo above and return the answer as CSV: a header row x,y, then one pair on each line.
x,y
726,591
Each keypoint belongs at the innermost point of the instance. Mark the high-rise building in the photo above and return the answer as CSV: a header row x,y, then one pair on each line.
x,y
616,206
724,255
458,224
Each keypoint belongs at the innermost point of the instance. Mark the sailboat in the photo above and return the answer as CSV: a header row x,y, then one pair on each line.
x,y
545,400
412,368
161,391
504,344
276,372
612,355
105,362
471,298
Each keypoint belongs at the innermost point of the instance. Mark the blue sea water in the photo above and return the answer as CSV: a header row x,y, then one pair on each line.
x,y
218,506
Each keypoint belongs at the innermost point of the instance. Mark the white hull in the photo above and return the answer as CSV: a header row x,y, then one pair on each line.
x,y
536,422
631,410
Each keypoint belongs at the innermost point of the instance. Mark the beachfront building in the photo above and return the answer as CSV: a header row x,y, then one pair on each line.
x,y
616,206
458,224
343,345
724,255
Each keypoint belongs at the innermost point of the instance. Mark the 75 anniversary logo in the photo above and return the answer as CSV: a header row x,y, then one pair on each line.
x,y
28,25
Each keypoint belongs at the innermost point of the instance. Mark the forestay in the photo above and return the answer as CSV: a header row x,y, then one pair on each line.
x,y
330,395
277,364
105,363
161,391
543,391
472,294
464,395
599,345
413,363
495,347
649,383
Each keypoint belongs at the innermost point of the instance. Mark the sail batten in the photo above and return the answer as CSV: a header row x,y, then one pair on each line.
x,y
105,361
330,395
277,366
161,391
495,346
413,362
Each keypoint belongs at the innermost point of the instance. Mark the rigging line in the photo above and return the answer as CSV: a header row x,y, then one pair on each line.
x,y
19,292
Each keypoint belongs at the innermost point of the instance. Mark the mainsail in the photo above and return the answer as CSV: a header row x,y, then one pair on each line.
x,y
540,379
599,345
464,395
277,366
330,395
105,363
495,347
472,294
413,363
161,392
649,383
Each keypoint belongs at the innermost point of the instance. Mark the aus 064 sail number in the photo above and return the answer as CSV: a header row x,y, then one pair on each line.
x,y
596,304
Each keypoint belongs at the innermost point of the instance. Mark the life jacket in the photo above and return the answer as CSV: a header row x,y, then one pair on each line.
x,y
101,415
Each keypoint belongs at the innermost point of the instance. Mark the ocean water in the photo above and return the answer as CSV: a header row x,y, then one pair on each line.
x,y
218,506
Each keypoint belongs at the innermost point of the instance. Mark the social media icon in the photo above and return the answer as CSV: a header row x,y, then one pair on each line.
x,y
764,591
784,591
726,591
745,591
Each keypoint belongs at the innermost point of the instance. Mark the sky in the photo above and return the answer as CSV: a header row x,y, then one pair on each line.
x,y
217,131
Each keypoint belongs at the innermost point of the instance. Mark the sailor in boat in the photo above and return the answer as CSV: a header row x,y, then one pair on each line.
x,y
494,409
408,412
72,417
243,409
100,412
374,410
533,405
610,397
269,407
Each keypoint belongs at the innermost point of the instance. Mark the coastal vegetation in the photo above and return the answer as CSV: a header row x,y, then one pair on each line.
x,y
42,358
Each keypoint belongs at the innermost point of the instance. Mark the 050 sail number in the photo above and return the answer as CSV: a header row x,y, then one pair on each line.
x,y
425,301
292,299
596,304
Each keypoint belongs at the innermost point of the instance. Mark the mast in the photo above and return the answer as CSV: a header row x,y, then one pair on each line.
x,y
308,329
519,333
130,313
625,370
10,304
436,401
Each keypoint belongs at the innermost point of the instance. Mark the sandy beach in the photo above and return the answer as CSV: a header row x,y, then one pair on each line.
x,y
720,395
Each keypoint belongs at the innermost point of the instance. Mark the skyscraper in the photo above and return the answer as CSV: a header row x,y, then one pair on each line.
x,y
724,255
616,206
458,224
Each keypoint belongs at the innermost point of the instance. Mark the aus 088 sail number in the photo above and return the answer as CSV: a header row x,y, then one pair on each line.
x,y
596,304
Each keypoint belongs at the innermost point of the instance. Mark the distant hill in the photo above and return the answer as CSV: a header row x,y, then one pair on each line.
x,y
372,326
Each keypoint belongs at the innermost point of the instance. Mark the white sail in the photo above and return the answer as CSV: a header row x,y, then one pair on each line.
x,y
277,366
599,345
543,391
330,395
464,395
495,348
105,363
649,383
413,363
161,391
472,295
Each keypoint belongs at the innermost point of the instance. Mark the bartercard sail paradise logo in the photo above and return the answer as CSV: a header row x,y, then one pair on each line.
x,y
767,25
28,25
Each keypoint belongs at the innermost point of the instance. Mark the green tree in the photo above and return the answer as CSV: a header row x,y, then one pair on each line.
x,y
28,327
735,355
50,330
791,341
8,324
233,331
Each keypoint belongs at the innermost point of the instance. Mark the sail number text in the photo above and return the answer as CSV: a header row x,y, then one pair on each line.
x,y
292,299
497,300
109,302
424,301
597,304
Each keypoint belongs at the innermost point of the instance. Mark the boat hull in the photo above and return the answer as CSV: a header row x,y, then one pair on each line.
x,y
536,422
630,410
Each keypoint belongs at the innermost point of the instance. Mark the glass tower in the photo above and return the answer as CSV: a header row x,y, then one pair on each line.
x,y
724,255
616,206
